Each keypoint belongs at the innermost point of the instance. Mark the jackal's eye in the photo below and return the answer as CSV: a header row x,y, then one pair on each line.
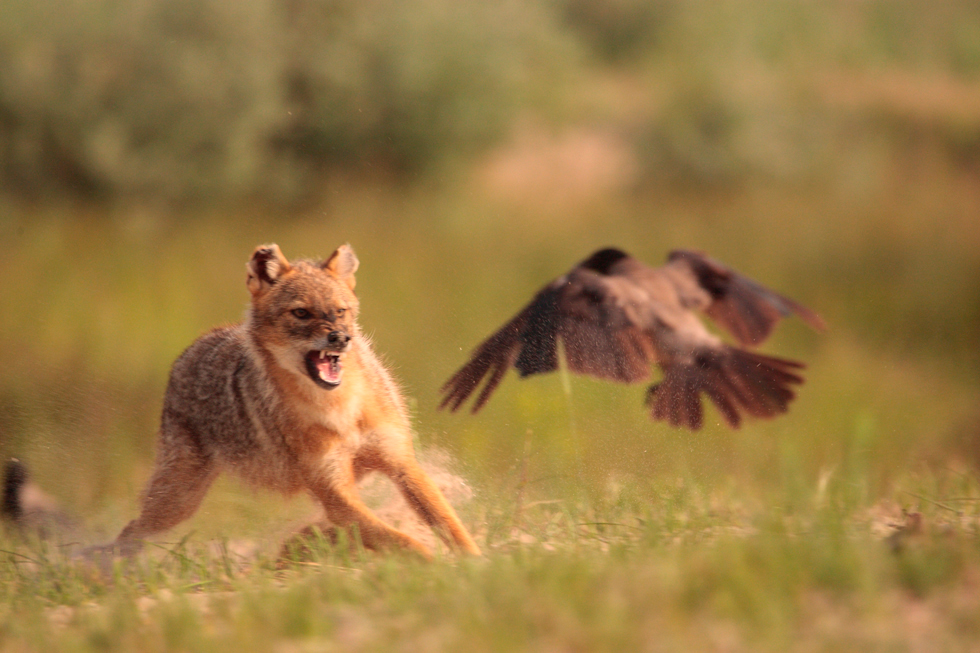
x,y
340,312
301,313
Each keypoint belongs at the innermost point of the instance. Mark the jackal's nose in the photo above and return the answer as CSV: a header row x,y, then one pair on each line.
x,y
338,338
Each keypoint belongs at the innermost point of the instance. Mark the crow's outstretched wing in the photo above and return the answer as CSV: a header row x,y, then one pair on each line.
x,y
585,309
746,308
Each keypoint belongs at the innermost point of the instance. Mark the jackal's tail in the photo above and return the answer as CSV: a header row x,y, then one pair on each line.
x,y
735,380
14,478
29,509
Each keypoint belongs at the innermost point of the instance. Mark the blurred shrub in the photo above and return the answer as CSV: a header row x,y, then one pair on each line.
x,y
222,99
186,98
407,83
170,98
732,90
619,30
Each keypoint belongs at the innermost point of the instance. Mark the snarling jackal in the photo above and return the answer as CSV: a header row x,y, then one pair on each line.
x,y
291,399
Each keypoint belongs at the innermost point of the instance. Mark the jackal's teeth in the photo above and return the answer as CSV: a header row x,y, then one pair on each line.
x,y
323,354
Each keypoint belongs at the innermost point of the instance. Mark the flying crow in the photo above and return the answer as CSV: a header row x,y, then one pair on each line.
x,y
615,315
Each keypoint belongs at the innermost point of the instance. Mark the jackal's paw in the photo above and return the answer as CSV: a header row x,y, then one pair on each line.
x,y
307,544
317,539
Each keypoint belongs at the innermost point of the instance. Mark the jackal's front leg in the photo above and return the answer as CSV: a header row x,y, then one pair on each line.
x,y
336,490
428,502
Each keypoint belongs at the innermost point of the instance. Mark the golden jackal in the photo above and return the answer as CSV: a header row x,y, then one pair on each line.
x,y
291,399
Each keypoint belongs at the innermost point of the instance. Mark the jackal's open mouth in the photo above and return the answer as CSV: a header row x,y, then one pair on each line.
x,y
324,368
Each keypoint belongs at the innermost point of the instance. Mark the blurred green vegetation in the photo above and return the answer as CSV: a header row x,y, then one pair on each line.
x,y
181,100
471,152
216,99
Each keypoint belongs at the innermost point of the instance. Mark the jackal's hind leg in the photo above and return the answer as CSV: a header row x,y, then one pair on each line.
x,y
180,480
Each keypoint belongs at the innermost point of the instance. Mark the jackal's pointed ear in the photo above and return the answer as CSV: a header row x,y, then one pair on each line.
x,y
343,264
265,268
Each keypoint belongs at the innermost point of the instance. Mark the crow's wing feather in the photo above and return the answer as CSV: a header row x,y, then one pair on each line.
x,y
493,356
746,308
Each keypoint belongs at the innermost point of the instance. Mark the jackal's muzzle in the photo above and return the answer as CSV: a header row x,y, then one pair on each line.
x,y
325,365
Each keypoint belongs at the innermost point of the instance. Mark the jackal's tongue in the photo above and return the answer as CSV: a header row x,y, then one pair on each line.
x,y
328,366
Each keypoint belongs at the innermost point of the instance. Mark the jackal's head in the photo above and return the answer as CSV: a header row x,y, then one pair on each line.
x,y
304,313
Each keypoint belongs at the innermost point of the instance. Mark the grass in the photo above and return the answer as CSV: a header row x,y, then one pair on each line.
x,y
657,567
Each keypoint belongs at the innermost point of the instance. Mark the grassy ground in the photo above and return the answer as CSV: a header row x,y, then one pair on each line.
x,y
657,567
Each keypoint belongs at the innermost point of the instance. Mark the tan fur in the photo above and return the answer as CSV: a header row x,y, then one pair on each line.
x,y
242,399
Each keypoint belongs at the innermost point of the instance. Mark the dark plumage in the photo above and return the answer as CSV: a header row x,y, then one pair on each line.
x,y
615,315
